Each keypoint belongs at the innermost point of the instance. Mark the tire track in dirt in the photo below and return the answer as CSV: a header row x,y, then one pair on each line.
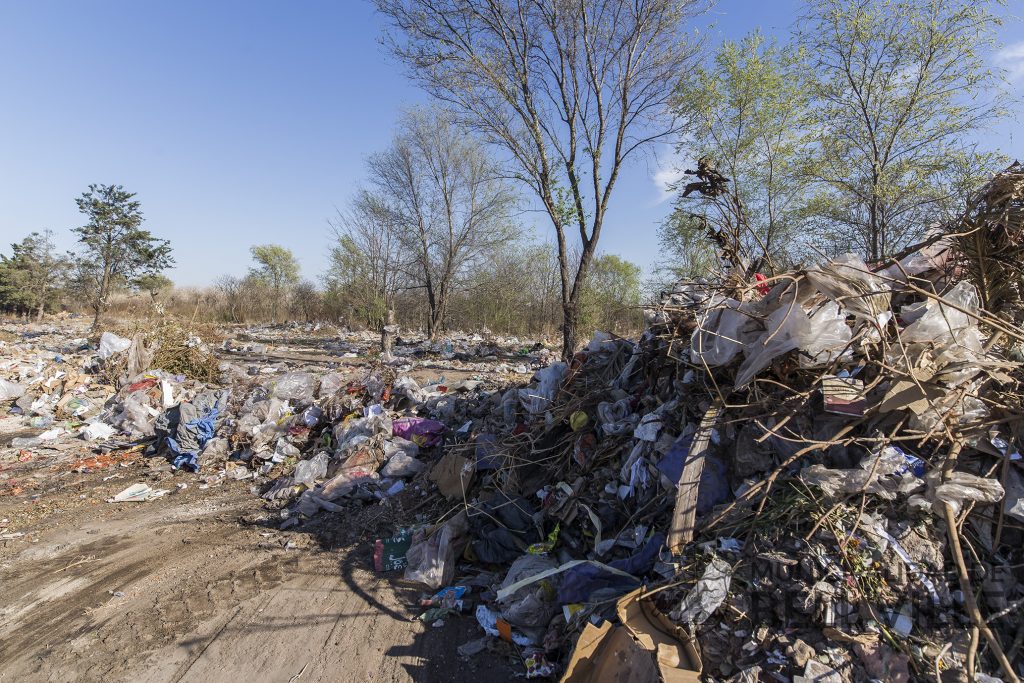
x,y
179,590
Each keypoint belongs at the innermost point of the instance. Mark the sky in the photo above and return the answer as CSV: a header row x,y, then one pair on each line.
x,y
248,122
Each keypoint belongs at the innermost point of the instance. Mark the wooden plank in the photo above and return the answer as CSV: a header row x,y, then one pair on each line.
x,y
685,514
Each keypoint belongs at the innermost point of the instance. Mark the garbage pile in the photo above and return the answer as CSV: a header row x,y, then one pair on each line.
x,y
815,476
477,352
102,392
811,476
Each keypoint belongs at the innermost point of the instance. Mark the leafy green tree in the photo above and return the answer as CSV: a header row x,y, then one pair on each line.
x,y
115,250
154,284
34,276
750,107
900,87
367,261
278,269
611,298
685,250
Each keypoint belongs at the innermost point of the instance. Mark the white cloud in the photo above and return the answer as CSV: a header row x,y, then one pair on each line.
x,y
1011,58
666,170
664,179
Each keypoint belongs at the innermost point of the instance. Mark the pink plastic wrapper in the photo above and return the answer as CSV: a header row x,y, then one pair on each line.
x,y
419,430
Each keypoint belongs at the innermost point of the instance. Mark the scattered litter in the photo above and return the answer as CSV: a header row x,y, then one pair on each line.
x,y
138,493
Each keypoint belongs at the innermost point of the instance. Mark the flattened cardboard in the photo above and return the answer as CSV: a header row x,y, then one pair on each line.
x,y
609,654
678,659
908,395
647,647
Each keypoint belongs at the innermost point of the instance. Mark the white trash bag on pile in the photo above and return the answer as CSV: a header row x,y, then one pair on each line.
x,y
111,345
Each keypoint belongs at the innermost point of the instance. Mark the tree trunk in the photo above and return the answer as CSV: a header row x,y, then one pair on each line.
x,y
431,313
102,297
570,318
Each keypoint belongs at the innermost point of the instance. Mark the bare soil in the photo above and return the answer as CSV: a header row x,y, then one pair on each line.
x,y
187,588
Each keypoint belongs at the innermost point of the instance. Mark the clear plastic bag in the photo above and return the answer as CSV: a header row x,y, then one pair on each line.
x,y
825,337
432,557
849,281
138,417
707,595
532,605
308,471
331,383
716,341
408,387
942,324
961,487
401,465
871,476
787,324
111,345
296,386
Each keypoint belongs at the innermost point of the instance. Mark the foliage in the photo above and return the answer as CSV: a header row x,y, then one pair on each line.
x,y
115,250
750,106
33,277
568,91
515,291
611,297
435,209
307,302
278,269
898,88
154,284
685,250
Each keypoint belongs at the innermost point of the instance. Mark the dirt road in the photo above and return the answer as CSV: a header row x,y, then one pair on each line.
x,y
180,589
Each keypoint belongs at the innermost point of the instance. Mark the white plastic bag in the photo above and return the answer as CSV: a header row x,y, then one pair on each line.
x,y
602,341
848,281
97,431
787,324
10,390
111,344
716,341
825,337
707,595
536,400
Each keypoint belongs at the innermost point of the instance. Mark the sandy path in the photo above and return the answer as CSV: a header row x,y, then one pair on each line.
x,y
206,598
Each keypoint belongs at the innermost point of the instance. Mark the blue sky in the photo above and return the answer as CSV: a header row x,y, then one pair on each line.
x,y
240,123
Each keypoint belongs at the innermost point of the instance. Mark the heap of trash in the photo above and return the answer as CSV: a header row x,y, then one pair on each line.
x,y
813,476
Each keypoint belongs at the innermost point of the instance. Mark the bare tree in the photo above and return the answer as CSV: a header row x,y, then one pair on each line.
x,y
569,90
367,260
442,194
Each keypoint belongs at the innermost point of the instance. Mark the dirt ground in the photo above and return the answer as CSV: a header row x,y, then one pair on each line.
x,y
197,585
